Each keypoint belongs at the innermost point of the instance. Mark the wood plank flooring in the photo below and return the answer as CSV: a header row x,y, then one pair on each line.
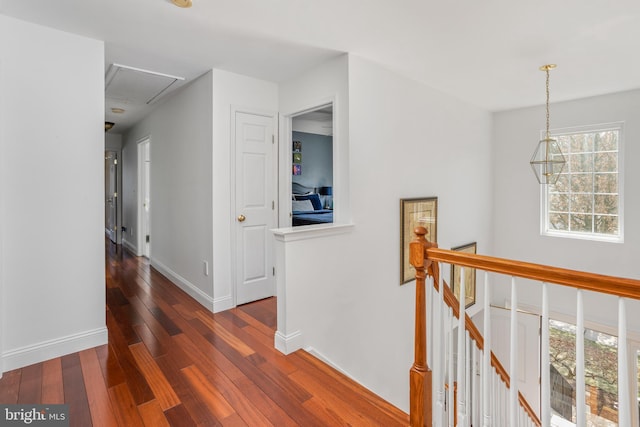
x,y
170,362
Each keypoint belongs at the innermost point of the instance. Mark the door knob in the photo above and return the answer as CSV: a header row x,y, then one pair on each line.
x,y
241,218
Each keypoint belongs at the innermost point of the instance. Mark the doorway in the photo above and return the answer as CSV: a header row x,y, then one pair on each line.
x,y
111,195
255,207
312,166
144,197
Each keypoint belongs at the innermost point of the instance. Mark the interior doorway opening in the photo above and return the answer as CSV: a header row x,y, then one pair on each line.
x,y
312,166
111,195
144,197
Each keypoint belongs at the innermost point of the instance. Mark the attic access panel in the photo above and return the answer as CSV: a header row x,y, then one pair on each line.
x,y
135,85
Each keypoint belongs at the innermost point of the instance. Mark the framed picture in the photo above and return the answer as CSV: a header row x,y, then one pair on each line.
x,y
414,213
469,277
297,146
297,169
297,157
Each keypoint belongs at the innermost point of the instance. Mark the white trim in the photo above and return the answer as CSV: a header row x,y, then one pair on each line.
x,y
286,140
36,353
273,115
305,232
315,353
131,247
222,303
544,214
287,344
191,289
140,236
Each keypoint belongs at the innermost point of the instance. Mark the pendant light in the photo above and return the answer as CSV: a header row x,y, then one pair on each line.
x,y
547,161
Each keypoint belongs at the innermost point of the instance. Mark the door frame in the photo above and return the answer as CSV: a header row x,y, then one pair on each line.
x,y
141,192
235,109
118,192
286,151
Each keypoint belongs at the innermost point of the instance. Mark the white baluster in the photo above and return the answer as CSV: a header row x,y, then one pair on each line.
x,y
580,386
475,377
624,413
450,406
513,357
486,356
461,353
439,358
468,368
429,319
545,392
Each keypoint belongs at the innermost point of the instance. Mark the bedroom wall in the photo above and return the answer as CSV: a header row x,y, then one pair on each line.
x,y
405,140
317,160
181,186
51,191
517,202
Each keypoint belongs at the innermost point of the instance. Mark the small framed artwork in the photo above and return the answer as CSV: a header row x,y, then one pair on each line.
x,y
297,157
469,277
297,146
414,213
297,169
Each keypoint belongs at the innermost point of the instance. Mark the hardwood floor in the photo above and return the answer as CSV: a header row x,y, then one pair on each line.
x,y
170,362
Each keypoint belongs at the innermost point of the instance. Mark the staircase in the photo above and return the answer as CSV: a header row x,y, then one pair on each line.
x,y
463,383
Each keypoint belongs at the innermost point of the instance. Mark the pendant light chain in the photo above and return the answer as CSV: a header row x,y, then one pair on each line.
x,y
547,71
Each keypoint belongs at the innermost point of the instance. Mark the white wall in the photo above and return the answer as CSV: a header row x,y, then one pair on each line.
x,y
52,167
181,175
344,294
230,91
325,83
129,199
517,201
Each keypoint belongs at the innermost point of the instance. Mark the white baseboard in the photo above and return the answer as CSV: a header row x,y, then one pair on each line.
x,y
191,289
130,246
315,353
222,304
287,344
36,353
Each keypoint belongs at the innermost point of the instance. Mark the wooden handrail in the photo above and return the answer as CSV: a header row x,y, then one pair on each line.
x,y
422,253
618,286
451,301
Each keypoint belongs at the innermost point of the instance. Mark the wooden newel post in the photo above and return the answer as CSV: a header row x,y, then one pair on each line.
x,y
420,374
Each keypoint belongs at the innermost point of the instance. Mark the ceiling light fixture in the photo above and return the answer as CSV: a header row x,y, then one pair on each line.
x,y
182,3
547,161
117,110
108,126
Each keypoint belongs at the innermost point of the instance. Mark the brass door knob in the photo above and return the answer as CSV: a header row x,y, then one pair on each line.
x,y
241,218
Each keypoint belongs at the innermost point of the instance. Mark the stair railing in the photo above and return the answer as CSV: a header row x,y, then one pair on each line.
x,y
485,394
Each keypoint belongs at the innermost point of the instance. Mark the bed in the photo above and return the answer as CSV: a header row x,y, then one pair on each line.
x,y
306,207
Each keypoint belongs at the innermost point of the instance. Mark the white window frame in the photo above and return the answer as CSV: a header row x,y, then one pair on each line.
x,y
544,217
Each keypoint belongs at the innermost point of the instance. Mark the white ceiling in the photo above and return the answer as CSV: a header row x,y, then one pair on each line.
x,y
485,52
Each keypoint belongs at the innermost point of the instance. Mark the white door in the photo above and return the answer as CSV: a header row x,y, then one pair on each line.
x,y
111,195
255,205
528,350
144,201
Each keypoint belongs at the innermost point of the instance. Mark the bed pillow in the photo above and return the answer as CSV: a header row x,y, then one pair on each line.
x,y
314,198
302,205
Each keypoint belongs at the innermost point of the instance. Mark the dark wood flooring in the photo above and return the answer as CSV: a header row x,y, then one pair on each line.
x,y
170,362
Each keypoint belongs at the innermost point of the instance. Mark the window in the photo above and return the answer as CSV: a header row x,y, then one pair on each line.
x,y
586,201
601,375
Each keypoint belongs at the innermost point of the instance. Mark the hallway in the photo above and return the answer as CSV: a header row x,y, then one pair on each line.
x,y
171,362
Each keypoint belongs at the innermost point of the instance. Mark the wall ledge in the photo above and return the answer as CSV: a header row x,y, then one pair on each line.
x,y
305,232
